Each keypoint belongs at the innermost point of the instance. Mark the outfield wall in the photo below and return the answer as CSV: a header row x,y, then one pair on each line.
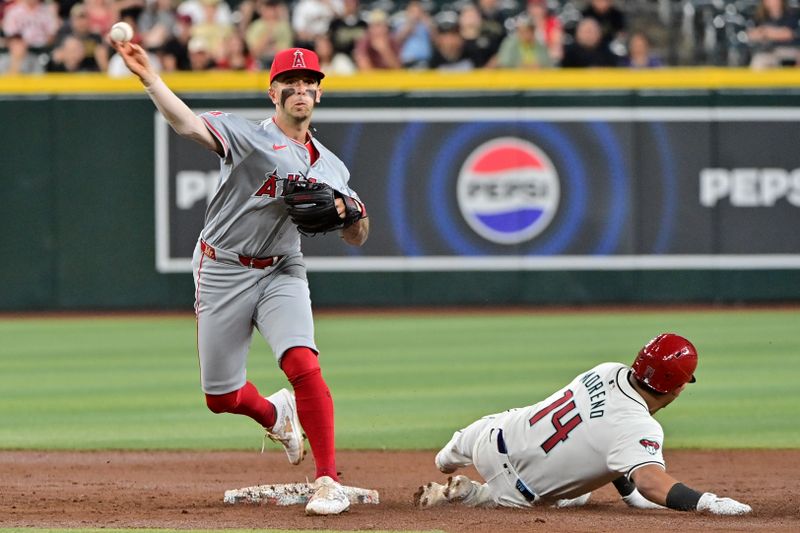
x,y
547,191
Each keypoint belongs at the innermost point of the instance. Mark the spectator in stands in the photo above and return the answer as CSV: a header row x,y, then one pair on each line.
x,y
549,30
270,32
30,27
448,50
95,50
611,20
588,50
377,49
210,31
130,9
773,35
521,49
102,15
64,8
493,16
347,28
414,36
331,61
70,56
235,55
197,11
156,23
17,58
311,18
480,44
243,15
200,57
3,5
493,25
639,55
174,55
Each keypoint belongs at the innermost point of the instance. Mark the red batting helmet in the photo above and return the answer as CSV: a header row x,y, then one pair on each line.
x,y
666,362
293,59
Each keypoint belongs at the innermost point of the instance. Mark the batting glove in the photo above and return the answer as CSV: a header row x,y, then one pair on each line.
x,y
723,506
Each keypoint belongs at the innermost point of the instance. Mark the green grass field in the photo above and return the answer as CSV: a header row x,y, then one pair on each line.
x,y
399,381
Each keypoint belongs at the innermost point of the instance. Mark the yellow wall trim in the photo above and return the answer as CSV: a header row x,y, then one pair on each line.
x,y
404,81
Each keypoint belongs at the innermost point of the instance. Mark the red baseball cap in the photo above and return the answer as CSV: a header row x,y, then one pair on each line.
x,y
295,59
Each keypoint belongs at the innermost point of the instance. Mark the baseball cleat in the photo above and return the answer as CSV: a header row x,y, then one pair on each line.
x,y
573,502
287,430
329,498
458,488
430,495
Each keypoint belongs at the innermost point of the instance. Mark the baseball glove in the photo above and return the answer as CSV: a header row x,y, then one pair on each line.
x,y
312,207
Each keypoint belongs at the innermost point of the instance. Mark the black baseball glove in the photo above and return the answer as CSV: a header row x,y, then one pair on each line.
x,y
312,207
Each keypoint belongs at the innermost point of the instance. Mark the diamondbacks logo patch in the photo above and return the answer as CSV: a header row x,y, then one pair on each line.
x,y
508,190
651,446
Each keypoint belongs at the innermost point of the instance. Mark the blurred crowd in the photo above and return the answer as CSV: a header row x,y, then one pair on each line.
x,y
353,35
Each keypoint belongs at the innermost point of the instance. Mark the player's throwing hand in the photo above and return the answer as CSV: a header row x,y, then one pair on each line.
x,y
136,60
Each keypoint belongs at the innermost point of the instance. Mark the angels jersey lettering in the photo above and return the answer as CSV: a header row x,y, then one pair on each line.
x,y
246,213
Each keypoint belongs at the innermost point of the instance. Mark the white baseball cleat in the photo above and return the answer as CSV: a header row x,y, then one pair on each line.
x,y
457,490
430,495
573,502
287,430
329,498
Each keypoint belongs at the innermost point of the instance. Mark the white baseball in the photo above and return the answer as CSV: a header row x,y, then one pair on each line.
x,y
121,32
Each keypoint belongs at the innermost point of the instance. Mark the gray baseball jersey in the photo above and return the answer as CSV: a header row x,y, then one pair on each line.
x,y
578,439
246,214
246,217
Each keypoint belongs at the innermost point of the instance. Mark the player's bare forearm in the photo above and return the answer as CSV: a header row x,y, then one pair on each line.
x,y
357,233
175,111
653,483
181,118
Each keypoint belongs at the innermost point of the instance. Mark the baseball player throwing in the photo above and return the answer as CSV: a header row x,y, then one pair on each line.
x,y
598,429
275,180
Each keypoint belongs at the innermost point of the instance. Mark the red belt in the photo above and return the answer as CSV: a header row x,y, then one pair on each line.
x,y
251,262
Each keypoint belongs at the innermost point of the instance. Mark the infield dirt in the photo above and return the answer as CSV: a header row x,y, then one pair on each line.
x,y
182,490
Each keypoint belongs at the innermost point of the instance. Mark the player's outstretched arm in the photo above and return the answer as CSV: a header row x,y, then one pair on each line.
x,y
661,488
631,496
175,111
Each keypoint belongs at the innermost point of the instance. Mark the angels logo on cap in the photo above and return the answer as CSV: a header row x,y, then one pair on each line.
x,y
508,190
295,59
299,60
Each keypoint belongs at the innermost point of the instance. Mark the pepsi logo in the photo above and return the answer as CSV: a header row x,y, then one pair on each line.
x,y
508,190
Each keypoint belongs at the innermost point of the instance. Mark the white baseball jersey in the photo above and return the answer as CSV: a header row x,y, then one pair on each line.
x,y
246,214
582,436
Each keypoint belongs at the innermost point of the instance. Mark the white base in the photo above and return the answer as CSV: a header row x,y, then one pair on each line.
x,y
293,494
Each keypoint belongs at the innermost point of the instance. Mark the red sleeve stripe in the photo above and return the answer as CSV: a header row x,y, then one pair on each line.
x,y
216,134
